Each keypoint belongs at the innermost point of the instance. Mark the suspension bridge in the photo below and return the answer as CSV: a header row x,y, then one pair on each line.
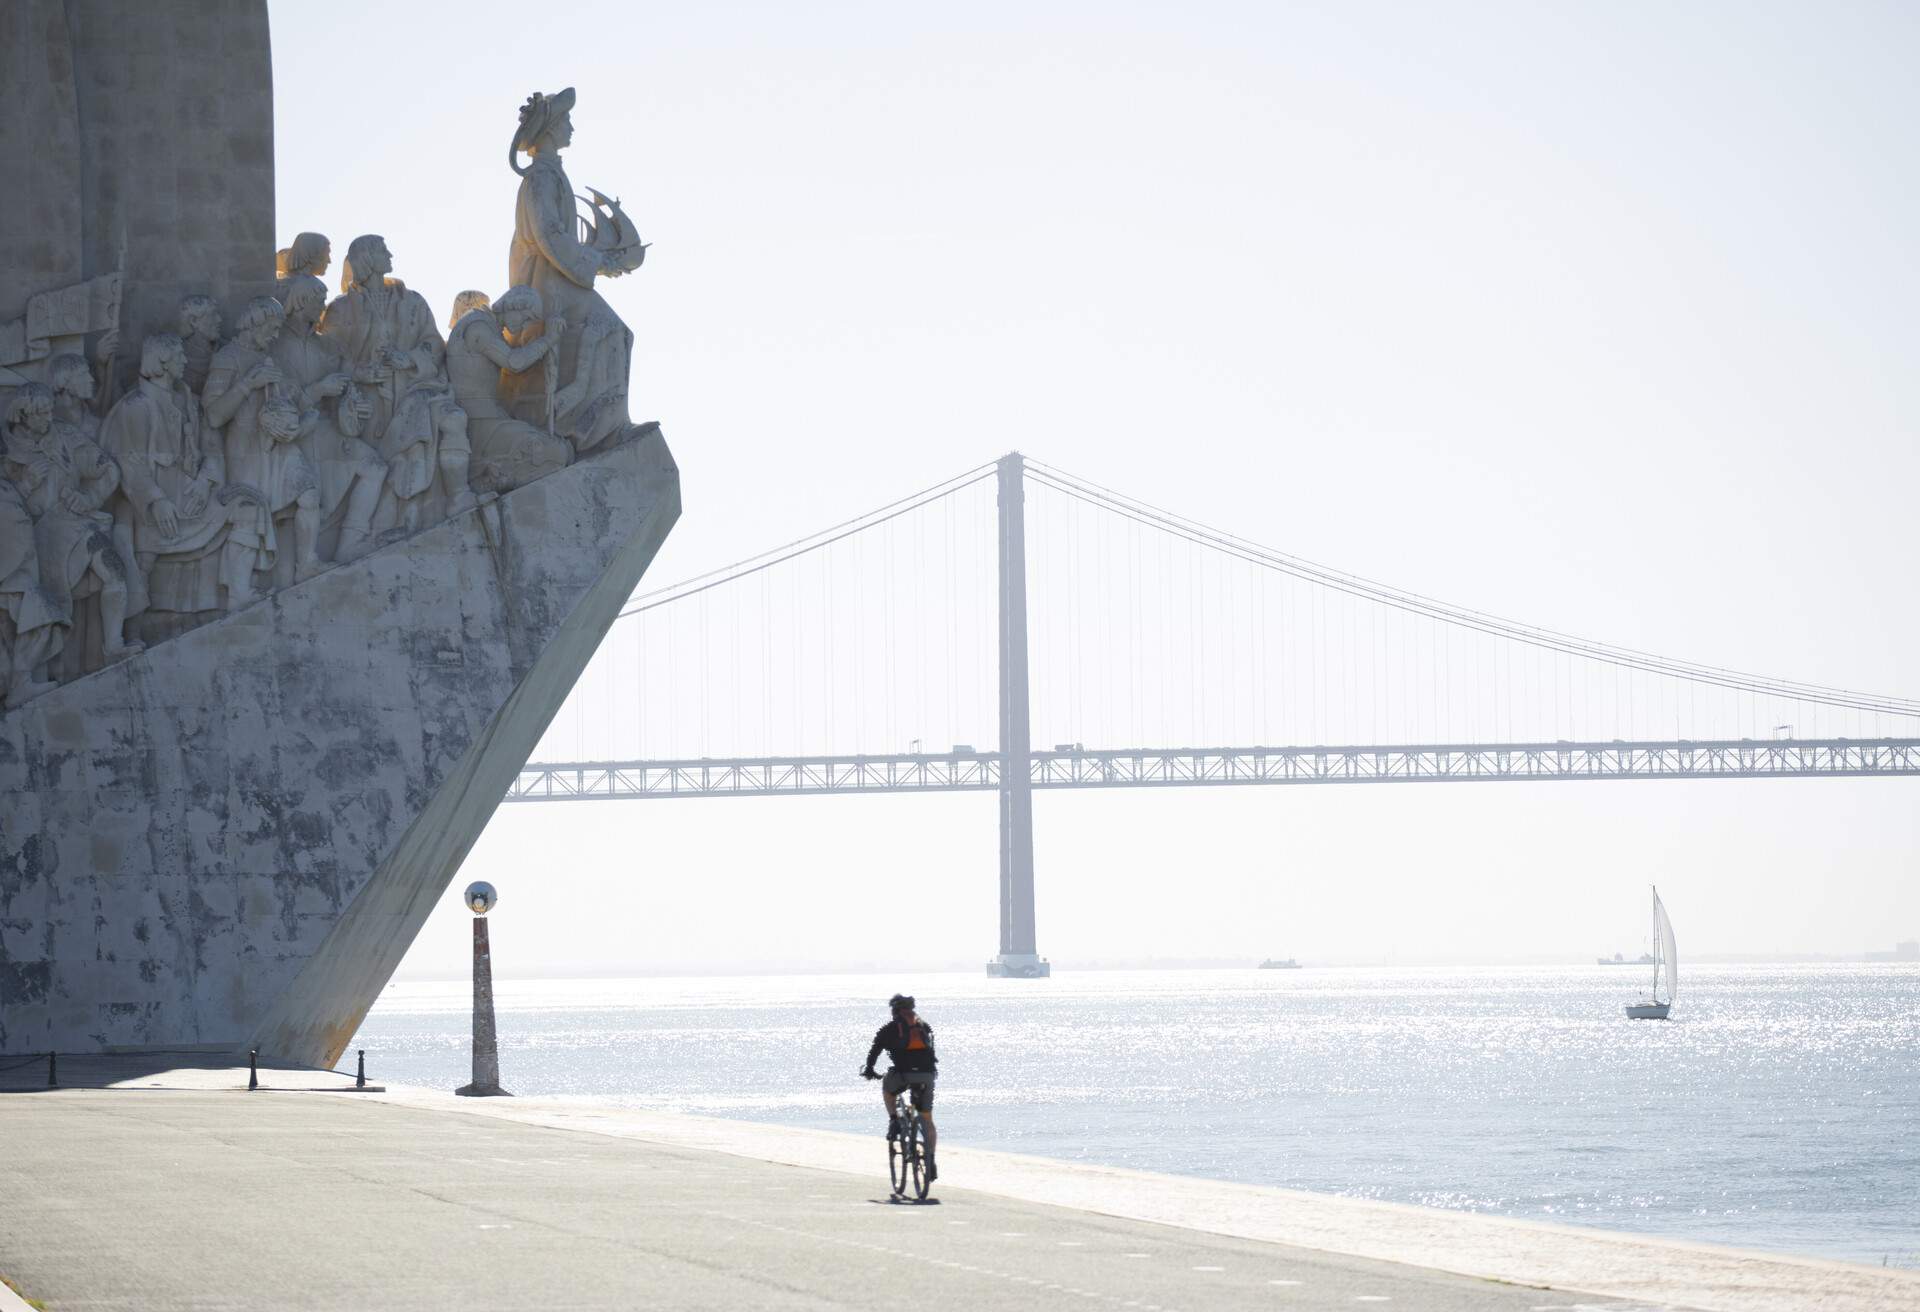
x,y
859,660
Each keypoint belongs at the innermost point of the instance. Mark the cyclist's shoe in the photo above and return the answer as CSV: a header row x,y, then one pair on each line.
x,y
933,1172
893,1129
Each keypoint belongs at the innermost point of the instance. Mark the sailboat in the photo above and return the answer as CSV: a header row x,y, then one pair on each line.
x,y
1666,965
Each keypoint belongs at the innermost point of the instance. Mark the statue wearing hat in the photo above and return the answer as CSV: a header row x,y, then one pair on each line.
x,y
558,255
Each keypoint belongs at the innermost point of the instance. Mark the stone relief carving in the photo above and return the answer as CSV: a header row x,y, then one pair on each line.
x,y
31,629
65,480
195,539
384,331
199,329
79,389
335,412
246,402
388,335
311,253
57,322
463,302
77,386
507,452
318,430
427,456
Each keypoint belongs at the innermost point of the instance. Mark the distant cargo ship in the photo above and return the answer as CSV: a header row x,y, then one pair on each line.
x,y
1271,964
1644,959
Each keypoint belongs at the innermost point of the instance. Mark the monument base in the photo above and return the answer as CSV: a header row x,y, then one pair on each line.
x,y
481,1091
1019,965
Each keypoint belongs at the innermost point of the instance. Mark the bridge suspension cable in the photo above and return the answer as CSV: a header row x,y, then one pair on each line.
x,y
1221,540
826,537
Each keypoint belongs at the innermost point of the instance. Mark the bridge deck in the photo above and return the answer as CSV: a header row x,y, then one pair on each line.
x,y
1186,767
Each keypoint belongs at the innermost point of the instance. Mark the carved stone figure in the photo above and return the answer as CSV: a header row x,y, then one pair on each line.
x,y
427,454
313,368
78,403
179,512
74,385
386,332
318,379
243,385
463,302
31,626
549,255
65,481
311,253
292,489
507,452
200,336
83,387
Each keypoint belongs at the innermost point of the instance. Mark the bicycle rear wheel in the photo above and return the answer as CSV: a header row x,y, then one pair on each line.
x,y
917,1158
898,1172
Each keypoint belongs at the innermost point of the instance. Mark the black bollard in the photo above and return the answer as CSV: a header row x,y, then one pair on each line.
x,y
253,1069
360,1080
53,1078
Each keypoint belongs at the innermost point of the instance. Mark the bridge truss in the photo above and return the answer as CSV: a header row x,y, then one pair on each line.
x,y
1191,767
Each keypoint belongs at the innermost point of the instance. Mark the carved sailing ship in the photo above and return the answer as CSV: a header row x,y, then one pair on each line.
x,y
606,228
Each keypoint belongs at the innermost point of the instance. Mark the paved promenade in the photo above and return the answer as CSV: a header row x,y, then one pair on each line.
x,y
181,1190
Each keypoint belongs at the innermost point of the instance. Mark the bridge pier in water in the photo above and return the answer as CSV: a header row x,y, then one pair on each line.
x,y
1018,957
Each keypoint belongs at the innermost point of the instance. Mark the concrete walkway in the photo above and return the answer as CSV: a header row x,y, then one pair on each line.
x,y
181,1190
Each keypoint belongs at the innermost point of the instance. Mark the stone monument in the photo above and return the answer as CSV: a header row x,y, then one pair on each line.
x,y
288,589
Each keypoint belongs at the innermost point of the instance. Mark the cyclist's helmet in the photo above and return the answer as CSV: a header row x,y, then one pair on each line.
x,y
900,1002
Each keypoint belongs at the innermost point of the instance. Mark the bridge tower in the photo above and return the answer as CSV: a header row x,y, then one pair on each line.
x,y
1018,956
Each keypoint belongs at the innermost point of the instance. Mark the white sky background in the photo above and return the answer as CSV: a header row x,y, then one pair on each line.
x,y
1601,317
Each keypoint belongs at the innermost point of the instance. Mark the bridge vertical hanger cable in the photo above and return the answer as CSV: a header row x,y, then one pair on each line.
x,y
1196,695
1351,729
1076,632
1530,634
1230,657
946,533
922,648
827,659
1111,582
706,673
897,636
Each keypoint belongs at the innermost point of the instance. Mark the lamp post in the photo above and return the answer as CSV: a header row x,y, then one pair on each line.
x,y
486,1047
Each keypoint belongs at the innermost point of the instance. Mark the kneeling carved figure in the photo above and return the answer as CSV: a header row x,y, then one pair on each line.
x,y
507,452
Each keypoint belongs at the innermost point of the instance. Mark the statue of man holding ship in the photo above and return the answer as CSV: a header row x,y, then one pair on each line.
x,y
586,400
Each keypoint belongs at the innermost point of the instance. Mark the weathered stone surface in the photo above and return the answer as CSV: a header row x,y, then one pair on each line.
x,y
135,136
232,838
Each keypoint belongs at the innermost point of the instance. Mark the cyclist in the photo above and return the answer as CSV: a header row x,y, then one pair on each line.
x,y
908,1040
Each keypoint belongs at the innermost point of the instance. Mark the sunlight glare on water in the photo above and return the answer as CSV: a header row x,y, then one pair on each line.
x,y
1780,1109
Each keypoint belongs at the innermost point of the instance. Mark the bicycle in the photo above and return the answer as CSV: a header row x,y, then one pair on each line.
x,y
906,1149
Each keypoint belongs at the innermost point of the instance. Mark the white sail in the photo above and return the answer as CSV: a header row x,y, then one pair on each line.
x,y
1667,950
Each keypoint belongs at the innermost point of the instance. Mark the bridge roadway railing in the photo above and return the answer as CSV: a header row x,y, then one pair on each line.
x,y
1188,767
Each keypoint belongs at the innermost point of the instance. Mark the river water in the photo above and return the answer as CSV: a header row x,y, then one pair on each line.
x,y
1779,1109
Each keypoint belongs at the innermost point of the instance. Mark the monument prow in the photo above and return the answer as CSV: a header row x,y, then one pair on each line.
x,y
230,840
281,612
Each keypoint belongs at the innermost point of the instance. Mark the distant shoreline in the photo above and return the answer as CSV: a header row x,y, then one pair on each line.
x,y
1308,965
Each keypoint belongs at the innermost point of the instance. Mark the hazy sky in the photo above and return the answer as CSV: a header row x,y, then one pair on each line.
x,y
1598,316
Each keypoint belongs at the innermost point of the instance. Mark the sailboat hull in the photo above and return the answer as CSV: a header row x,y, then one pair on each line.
x,y
1648,1010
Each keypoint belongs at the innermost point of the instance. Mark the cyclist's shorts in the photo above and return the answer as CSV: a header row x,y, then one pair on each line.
x,y
921,1082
